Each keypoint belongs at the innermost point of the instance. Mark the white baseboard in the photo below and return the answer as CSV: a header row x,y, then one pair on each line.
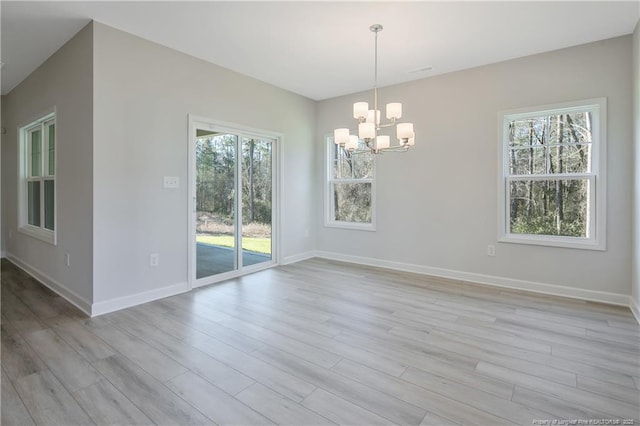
x,y
112,305
635,308
118,303
490,280
2,254
298,257
78,301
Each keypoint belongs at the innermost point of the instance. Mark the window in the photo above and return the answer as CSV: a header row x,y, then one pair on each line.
x,y
350,195
552,180
37,178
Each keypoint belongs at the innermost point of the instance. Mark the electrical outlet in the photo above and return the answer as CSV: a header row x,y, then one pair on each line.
x,y
491,250
171,182
67,259
154,259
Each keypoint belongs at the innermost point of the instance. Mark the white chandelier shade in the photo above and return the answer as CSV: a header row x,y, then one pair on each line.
x,y
369,124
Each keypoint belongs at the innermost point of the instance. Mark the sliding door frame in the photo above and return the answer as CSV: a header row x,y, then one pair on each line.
x,y
241,131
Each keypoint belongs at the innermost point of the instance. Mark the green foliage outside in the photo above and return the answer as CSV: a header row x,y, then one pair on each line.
x,y
215,182
257,245
547,226
217,164
353,202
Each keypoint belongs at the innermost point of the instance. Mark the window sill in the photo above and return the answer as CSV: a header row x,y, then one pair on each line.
x,y
351,225
554,241
39,233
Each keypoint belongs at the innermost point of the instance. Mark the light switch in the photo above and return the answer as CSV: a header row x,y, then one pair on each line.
x,y
171,182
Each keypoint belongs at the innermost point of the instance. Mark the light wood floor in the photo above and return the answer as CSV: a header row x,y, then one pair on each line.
x,y
318,342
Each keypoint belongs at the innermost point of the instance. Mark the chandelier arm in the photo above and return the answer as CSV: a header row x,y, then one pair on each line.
x,y
393,149
401,148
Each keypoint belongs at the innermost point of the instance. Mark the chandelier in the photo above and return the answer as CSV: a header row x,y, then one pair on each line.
x,y
369,126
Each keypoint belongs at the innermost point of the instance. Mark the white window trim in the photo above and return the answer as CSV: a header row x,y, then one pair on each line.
x,y
38,232
328,194
597,176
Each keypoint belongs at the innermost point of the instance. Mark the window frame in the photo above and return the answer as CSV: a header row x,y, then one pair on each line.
x,y
596,231
329,199
42,122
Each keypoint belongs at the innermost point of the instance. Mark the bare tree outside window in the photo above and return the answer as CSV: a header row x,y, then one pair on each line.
x,y
350,186
553,175
550,150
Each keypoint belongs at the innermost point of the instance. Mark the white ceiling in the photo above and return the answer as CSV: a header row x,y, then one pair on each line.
x,y
320,49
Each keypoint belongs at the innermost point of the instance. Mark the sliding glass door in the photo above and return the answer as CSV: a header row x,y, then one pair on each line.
x,y
233,202
216,229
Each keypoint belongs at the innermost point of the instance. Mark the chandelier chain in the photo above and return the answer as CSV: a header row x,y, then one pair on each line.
x,y
375,78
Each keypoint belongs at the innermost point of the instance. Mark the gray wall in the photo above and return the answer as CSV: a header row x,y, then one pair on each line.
x,y
636,192
65,81
143,95
437,204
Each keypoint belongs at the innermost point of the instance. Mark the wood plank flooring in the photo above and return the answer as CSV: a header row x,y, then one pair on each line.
x,y
318,343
